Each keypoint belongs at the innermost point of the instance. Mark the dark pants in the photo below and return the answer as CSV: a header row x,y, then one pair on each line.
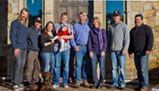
x,y
32,66
141,64
19,68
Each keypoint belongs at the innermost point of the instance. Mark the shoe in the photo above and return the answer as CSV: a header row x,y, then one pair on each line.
x,y
15,86
86,84
94,86
122,86
77,84
66,86
114,86
21,86
100,85
144,89
55,86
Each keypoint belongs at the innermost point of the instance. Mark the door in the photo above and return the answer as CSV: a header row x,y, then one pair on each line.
x,y
35,9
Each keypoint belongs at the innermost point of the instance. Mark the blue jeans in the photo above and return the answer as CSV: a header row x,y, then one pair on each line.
x,y
62,58
141,64
118,65
19,68
94,60
48,61
81,64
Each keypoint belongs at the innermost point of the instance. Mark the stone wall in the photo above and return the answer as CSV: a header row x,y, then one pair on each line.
x,y
150,11
13,9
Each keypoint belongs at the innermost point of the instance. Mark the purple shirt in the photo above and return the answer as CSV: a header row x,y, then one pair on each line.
x,y
97,41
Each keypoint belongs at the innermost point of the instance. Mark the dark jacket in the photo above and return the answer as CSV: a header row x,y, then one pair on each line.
x,y
33,39
18,35
44,39
141,39
97,41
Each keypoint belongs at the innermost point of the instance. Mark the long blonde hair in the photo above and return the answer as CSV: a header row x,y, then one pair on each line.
x,y
19,17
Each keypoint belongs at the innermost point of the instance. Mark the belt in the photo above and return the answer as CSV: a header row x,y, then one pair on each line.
x,y
81,45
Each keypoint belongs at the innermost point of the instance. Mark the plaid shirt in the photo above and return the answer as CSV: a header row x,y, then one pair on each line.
x,y
66,44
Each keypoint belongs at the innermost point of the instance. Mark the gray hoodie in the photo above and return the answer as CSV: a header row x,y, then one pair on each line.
x,y
120,36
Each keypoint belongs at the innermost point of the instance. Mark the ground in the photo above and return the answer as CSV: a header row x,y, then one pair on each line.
x,y
130,87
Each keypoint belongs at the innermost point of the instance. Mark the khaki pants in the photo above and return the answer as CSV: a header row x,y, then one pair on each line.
x,y
32,67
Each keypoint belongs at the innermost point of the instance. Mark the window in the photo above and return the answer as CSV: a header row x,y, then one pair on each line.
x,y
111,6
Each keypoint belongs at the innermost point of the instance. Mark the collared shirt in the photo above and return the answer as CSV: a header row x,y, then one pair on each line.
x,y
81,33
66,44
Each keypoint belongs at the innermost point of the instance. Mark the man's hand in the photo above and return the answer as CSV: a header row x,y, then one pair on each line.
x,y
124,52
17,52
77,48
148,52
91,54
102,53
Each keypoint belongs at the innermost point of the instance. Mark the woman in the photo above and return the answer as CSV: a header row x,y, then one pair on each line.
x,y
47,49
97,44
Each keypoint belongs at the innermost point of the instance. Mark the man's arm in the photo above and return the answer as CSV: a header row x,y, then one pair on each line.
x,y
149,37
13,32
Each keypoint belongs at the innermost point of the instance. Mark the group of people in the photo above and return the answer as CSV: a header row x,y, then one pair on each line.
x,y
89,41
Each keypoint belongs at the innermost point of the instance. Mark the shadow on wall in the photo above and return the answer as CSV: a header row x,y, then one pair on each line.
x,y
3,36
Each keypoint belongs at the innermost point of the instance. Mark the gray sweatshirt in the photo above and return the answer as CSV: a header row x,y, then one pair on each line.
x,y
119,36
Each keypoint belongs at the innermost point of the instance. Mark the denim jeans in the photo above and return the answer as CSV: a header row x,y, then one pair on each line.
x,y
62,59
118,72
141,64
19,68
81,64
101,60
48,61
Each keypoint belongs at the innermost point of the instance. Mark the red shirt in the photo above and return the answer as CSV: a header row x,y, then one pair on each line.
x,y
61,33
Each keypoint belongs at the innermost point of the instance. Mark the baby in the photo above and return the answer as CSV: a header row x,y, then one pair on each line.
x,y
62,31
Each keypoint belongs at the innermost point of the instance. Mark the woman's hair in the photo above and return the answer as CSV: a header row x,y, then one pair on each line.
x,y
96,18
45,31
19,17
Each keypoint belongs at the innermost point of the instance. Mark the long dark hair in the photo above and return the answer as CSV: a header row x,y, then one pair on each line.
x,y
45,30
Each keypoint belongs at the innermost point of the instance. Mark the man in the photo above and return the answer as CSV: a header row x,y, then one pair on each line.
x,y
81,33
33,65
141,43
119,45
18,38
62,57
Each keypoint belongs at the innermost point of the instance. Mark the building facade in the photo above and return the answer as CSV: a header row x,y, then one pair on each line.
x,y
50,10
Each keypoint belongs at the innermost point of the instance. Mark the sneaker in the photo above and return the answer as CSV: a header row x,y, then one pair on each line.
x,y
114,86
21,86
77,84
66,86
55,86
15,87
122,86
144,89
86,84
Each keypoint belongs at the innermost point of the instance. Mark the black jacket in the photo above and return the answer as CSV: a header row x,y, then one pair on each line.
x,y
141,39
44,39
